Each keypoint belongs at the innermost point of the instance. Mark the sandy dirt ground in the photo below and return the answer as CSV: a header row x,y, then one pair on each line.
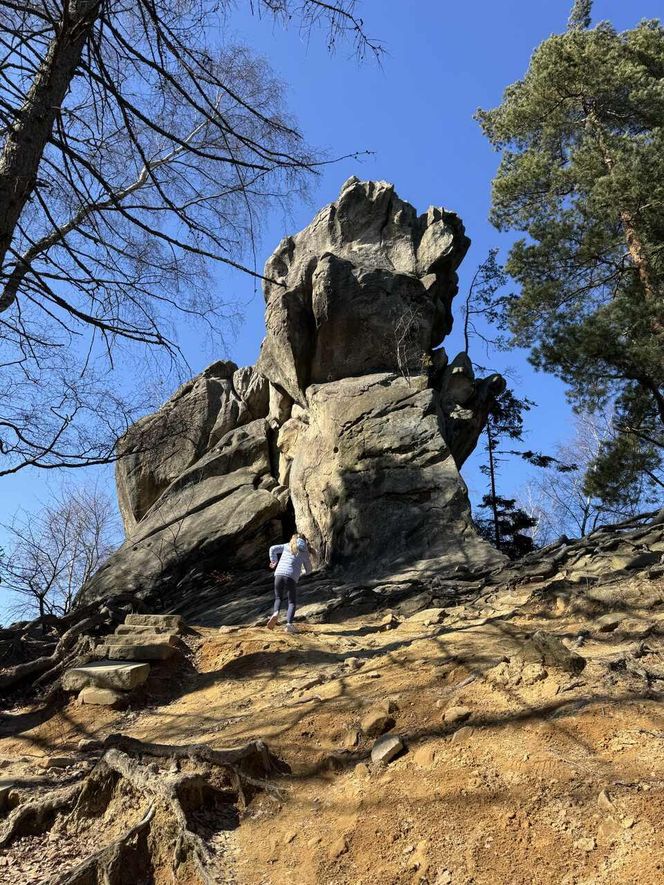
x,y
538,775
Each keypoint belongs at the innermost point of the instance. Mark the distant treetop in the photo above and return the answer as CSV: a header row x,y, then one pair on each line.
x,y
581,15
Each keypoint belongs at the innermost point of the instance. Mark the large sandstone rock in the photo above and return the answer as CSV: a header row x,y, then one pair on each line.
x,y
464,404
161,447
371,477
366,287
225,507
117,675
353,425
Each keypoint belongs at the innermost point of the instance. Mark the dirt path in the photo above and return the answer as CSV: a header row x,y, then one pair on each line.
x,y
546,776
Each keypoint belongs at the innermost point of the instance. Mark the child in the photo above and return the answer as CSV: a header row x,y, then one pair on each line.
x,y
293,557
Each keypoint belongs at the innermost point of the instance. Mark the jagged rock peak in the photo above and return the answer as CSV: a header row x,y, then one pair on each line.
x,y
373,227
366,287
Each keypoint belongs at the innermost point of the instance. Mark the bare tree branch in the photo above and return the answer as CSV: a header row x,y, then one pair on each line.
x,y
135,152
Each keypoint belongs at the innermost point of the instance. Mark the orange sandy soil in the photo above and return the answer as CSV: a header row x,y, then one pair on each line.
x,y
558,781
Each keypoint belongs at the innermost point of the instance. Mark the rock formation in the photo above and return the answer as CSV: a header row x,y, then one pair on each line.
x,y
353,424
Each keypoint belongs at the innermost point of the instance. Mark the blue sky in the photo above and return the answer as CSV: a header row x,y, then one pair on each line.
x,y
443,60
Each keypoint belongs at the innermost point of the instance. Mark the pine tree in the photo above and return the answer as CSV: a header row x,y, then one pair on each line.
x,y
581,15
506,523
582,175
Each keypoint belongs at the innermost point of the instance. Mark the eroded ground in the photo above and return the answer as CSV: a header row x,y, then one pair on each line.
x,y
554,777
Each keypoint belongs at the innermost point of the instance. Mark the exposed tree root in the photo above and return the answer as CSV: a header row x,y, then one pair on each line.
x,y
126,856
37,815
14,675
174,818
65,643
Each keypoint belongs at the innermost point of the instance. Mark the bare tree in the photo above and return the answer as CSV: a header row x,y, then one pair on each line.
x,y
559,500
135,149
51,555
483,303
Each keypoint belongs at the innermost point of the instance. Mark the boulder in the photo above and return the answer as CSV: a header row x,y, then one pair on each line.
x,y
608,622
386,748
455,715
366,287
427,616
215,509
129,639
102,697
353,423
160,447
117,675
376,722
370,462
157,623
137,651
462,734
139,629
464,404
55,761
90,745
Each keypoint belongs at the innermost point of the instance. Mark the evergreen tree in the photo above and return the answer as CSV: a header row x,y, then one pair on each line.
x,y
580,16
506,523
582,174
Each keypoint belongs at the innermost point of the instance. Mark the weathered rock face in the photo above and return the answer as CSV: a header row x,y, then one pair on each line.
x,y
226,505
353,423
161,447
372,479
367,287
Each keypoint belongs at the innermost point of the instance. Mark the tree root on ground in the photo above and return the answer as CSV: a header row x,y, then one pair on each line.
x,y
37,815
173,819
48,656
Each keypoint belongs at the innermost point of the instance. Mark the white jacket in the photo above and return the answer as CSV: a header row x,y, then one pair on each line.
x,y
290,566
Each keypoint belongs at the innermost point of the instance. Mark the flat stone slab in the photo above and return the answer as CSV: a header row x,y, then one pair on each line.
x,y
141,639
172,621
428,616
139,629
103,697
153,651
115,674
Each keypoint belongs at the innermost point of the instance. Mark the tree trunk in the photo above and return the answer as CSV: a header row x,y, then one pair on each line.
x,y
27,139
635,245
659,399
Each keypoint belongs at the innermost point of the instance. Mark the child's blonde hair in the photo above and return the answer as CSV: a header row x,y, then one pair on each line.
x,y
293,543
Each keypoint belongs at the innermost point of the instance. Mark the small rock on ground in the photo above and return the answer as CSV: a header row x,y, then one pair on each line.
x,y
102,697
456,714
376,722
386,748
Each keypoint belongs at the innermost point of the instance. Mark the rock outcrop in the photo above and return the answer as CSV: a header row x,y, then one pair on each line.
x,y
353,424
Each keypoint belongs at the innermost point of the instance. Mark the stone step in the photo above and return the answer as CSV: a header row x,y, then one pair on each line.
x,y
137,651
114,674
138,629
103,697
172,621
141,639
